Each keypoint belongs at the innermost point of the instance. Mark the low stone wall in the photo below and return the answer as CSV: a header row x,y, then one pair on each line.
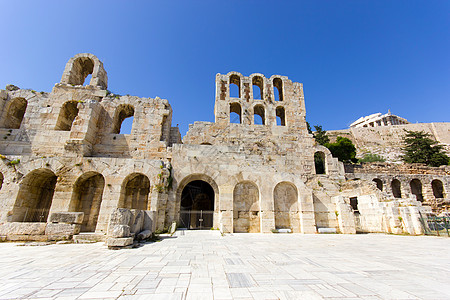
x,y
61,226
387,168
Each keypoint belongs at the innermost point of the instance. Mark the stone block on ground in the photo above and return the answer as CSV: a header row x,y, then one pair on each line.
x,y
120,216
119,242
62,229
67,217
149,220
144,235
22,228
137,220
119,231
326,230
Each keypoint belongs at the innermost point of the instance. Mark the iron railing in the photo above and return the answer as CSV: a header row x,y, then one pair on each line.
x,y
434,225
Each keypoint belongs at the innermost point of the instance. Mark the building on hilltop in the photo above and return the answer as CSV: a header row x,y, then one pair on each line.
x,y
376,120
66,168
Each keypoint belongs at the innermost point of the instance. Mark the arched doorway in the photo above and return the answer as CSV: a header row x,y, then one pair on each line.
x,y
87,198
416,189
379,183
286,207
135,191
35,196
438,188
396,188
246,210
197,205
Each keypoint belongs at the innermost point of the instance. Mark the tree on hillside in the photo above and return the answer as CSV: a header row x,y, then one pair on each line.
x,y
320,135
343,149
419,148
308,127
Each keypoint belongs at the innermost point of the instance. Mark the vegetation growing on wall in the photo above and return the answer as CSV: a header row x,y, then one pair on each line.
x,y
370,157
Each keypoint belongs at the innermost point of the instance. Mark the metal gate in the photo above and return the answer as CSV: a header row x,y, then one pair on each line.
x,y
433,225
196,219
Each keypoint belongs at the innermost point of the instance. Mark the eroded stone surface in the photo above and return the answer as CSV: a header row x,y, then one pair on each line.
x,y
252,170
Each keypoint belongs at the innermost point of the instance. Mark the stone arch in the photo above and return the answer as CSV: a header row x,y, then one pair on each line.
x,y
235,113
320,162
416,188
35,196
123,111
135,191
278,84
258,81
259,110
281,116
246,209
87,197
379,183
438,188
235,80
82,65
197,196
15,112
286,206
68,113
396,187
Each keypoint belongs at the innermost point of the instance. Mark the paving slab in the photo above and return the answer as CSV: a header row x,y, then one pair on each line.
x,y
206,265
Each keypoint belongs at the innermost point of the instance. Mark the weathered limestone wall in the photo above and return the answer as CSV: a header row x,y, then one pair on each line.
x,y
225,168
415,181
69,171
387,141
63,152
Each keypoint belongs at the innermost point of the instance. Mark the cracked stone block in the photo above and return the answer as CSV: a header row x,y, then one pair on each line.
x,y
66,217
120,231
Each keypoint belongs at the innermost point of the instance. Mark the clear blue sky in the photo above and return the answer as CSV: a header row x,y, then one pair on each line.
x,y
353,57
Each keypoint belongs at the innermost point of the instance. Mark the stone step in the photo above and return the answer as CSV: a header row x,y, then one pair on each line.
x,y
89,237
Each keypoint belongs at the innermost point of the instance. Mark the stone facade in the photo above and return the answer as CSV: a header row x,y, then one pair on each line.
x,y
252,170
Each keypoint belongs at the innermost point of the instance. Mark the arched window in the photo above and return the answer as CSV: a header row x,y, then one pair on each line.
x,y
278,89
319,162
16,111
82,67
396,188
259,115
438,188
258,87
235,86
123,119
379,183
416,189
281,116
67,115
235,113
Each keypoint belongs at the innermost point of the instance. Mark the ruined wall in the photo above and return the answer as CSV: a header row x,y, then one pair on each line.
x,y
387,141
252,170
429,185
63,151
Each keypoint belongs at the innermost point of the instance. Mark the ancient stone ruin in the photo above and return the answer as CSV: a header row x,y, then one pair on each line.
x,y
67,172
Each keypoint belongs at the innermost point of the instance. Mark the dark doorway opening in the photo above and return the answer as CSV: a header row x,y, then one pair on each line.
x,y
197,205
